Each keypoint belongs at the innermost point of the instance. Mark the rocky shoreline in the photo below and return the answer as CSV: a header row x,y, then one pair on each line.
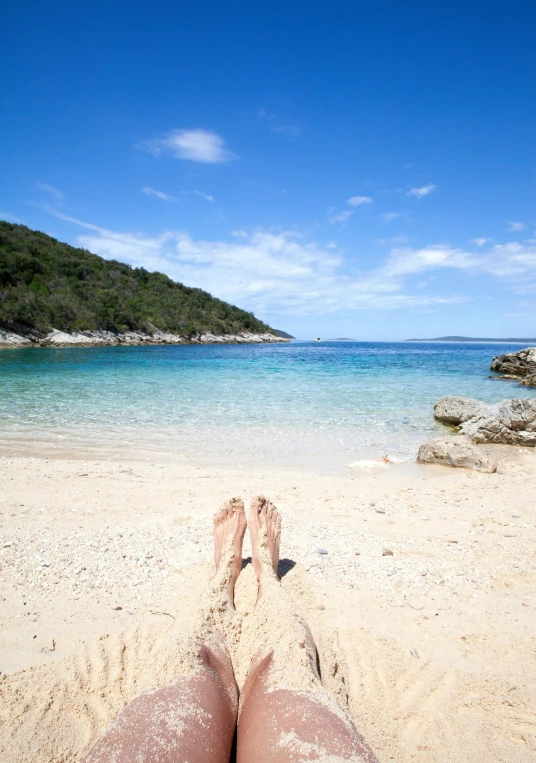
x,y
12,340
510,422
518,366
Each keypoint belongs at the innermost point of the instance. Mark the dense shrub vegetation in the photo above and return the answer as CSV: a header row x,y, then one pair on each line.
x,y
45,284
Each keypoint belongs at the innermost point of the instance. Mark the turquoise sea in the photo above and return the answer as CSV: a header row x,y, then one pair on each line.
x,y
301,404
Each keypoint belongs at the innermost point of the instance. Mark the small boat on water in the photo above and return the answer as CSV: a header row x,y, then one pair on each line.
x,y
318,339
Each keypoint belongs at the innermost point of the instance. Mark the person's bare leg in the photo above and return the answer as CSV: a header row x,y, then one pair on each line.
x,y
194,719
285,714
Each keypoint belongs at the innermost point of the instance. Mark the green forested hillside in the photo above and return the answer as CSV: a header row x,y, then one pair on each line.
x,y
45,284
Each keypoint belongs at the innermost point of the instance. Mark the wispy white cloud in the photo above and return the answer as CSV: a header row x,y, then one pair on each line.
x,y
159,194
264,114
392,240
388,217
405,260
205,196
344,216
265,271
9,218
341,217
512,262
280,271
49,189
289,131
424,190
196,145
514,225
481,241
357,201
261,271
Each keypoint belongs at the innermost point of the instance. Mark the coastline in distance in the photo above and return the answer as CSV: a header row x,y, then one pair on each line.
x,y
472,339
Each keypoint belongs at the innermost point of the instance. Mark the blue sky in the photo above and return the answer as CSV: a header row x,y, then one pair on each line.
x,y
358,169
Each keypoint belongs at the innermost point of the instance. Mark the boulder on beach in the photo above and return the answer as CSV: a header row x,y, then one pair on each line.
x,y
510,422
453,409
456,452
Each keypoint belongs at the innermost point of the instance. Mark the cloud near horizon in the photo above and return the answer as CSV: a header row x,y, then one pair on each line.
x,y
264,272
511,262
280,272
198,145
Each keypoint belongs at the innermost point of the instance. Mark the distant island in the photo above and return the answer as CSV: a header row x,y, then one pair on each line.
x,y
54,293
472,339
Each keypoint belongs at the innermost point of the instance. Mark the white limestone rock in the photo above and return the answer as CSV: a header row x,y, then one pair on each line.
x,y
456,452
453,409
510,422
57,338
10,339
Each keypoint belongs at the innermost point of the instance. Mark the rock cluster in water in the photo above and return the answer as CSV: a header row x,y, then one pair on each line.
x,y
456,410
517,365
510,422
101,338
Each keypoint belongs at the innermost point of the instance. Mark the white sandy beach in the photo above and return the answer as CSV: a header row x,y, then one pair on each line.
x,y
432,646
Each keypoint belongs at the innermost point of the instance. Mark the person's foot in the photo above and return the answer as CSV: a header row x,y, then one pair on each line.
x,y
230,521
263,514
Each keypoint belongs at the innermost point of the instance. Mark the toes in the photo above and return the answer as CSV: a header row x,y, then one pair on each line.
x,y
238,504
273,519
234,508
226,510
256,508
257,502
241,514
263,508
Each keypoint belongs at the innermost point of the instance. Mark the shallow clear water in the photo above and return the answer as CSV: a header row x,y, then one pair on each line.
x,y
298,404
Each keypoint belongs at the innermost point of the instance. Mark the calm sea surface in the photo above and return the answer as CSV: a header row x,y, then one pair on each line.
x,y
298,404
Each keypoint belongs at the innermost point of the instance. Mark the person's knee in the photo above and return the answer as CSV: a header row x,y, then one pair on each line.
x,y
257,673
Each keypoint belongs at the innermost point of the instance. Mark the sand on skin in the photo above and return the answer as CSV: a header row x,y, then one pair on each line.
x,y
431,648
